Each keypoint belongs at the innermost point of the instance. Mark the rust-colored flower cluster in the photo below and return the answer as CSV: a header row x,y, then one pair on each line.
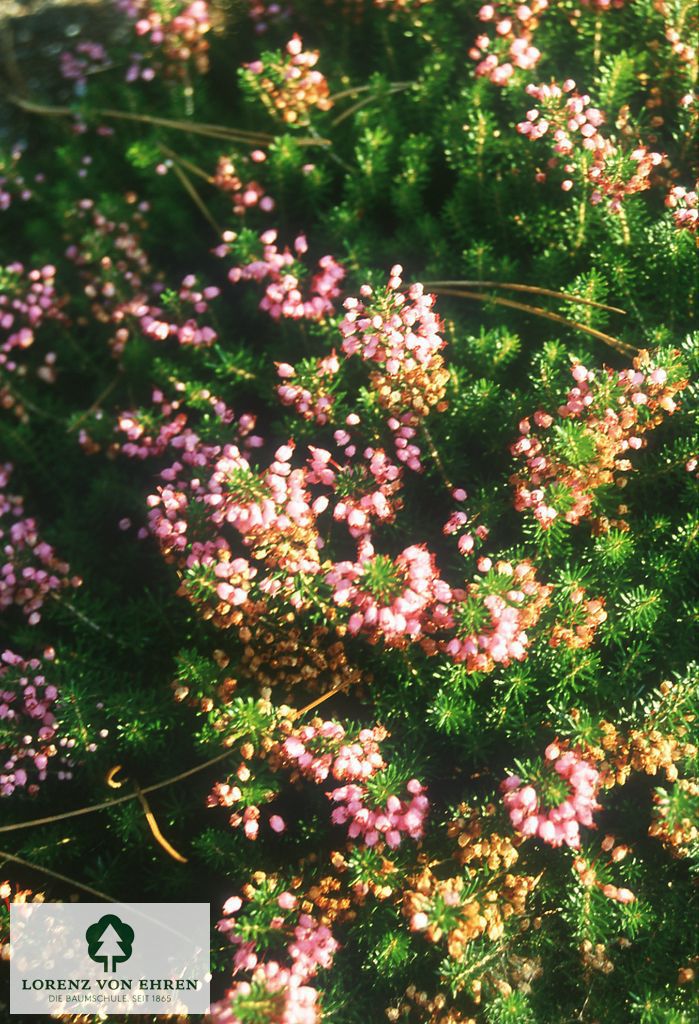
x,y
419,1006
577,630
287,657
603,420
478,901
676,817
289,84
589,870
647,750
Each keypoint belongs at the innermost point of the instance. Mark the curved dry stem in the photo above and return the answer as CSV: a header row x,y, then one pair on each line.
x,y
57,875
608,339
534,289
213,131
104,805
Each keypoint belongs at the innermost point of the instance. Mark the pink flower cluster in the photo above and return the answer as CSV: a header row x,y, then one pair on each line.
x,y
391,821
460,523
399,330
392,599
366,490
491,622
26,707
113,266
289,84
171,319
320,750
685,207
230,794
255,506
29,569
398,334
575,126
27,299
165,426
248,540
175,29
12,184
511,47
269,513
281,993
560,823
283,296
84,59
304,386
264,13
244,194
615,409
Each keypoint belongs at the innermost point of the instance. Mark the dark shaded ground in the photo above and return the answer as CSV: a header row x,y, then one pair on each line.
x,y
33,33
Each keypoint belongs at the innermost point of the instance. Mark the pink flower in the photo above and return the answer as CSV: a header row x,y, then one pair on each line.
x,y
558,824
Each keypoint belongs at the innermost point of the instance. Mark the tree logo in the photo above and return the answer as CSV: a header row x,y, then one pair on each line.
x,y
110,938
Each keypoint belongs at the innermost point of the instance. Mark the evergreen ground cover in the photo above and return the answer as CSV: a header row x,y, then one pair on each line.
x,y
349,464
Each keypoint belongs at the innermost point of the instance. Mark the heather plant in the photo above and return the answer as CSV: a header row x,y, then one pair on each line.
x,y
349,466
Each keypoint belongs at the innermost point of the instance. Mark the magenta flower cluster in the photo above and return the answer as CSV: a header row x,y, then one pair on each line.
x,y
264,13
29,569
575,128
178,317
559,824
86,58
323,751
280,986
511,47
283,297
27,299
27,703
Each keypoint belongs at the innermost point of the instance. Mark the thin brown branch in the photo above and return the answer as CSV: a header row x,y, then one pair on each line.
x,y
153,826
437,458
213,131
105,805
57,875
319,700
194,168
356,89
534,289
191,191
615,343
65,603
